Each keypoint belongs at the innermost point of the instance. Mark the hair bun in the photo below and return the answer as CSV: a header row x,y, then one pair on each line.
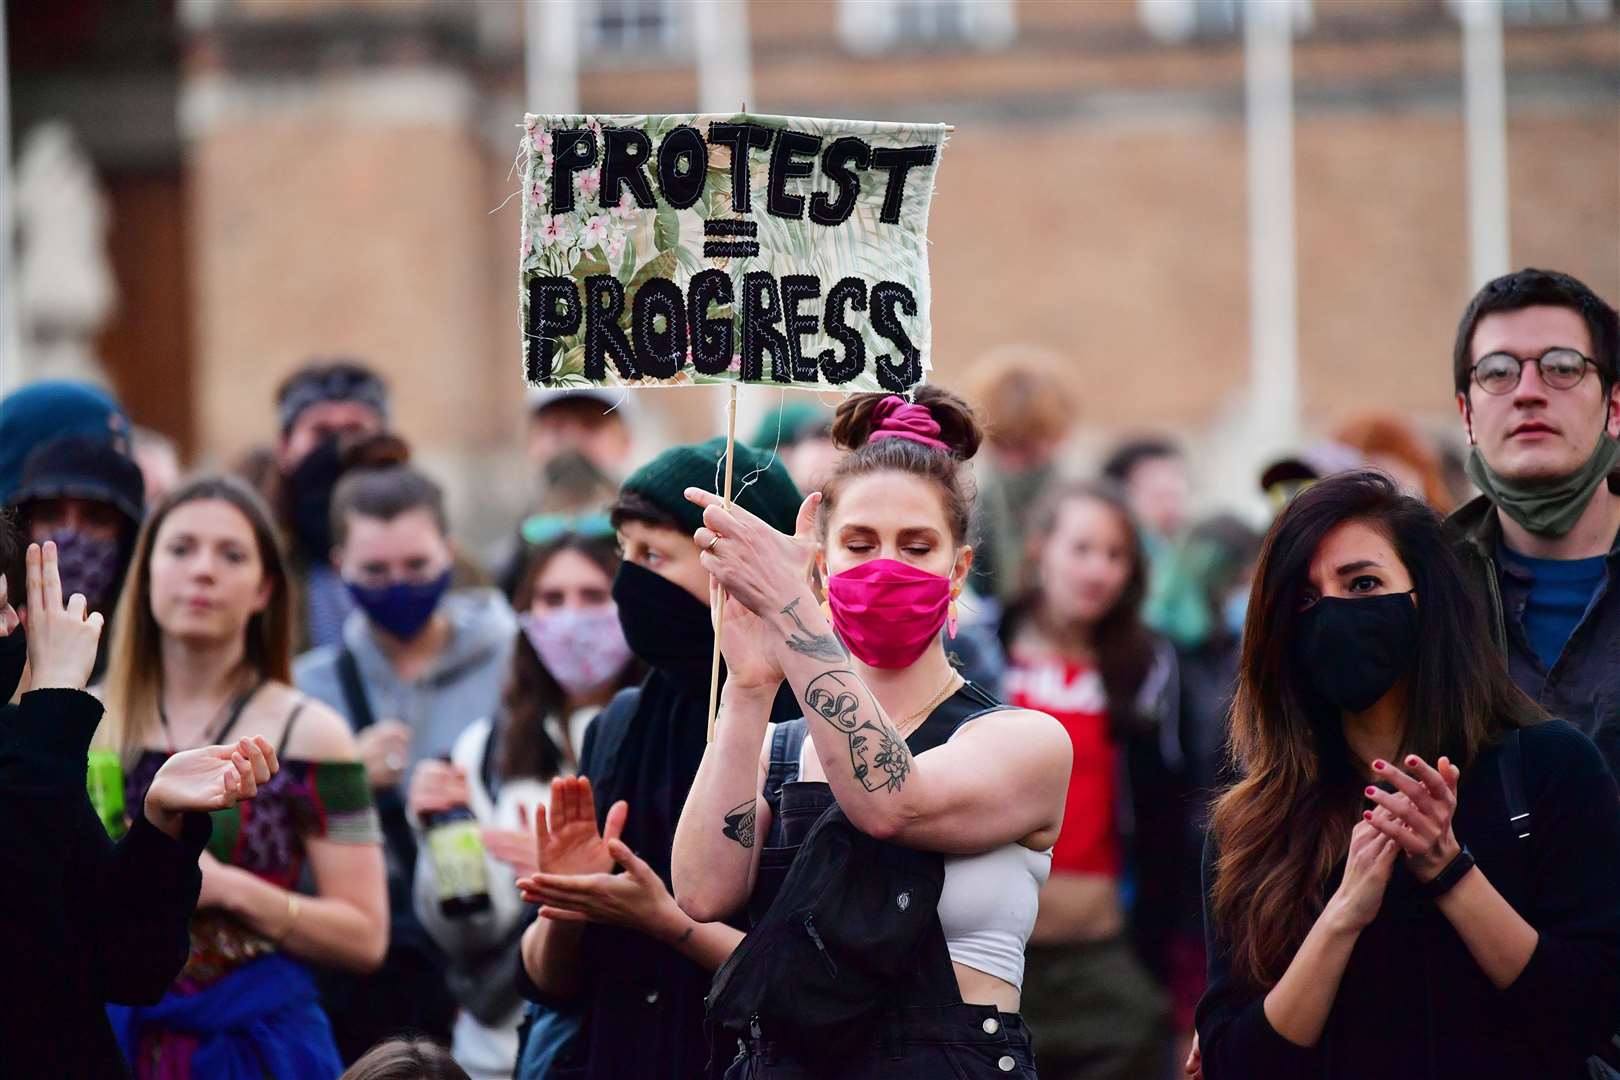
x,y
860,416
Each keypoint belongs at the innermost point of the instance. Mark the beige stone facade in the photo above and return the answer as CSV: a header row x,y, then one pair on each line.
x,y
341,169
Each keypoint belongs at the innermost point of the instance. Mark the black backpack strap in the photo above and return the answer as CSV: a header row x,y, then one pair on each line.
x,y
969,702
287,728
787,742
354,691
1511,766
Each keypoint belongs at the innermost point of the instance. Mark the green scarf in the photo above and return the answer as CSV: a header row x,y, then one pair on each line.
x,y
1547,509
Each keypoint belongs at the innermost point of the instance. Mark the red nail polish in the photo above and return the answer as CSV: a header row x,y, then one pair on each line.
x,y
1367,814
1372,791
1378,764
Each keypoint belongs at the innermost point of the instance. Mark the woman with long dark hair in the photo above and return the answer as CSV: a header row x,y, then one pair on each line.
x,y
569,661
200,654
899,762
1415,876
1078,650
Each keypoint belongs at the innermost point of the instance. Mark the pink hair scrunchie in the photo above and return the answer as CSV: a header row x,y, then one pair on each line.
x,y
897,418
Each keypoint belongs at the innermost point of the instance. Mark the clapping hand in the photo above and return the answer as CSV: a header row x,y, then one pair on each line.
x,y
758,565
1367,867
1417,817
208,778
636,899
565,834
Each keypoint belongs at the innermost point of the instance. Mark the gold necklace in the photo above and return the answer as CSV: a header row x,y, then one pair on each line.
x,y
915,720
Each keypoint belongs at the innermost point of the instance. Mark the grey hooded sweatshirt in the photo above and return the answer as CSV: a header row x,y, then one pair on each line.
x,y
461,686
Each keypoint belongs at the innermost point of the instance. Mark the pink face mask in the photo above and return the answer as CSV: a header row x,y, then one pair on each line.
x,y
888,612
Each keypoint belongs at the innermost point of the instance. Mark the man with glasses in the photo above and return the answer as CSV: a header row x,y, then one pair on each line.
x,y
1535,365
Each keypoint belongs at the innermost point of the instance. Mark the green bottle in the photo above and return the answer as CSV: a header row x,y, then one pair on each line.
x,y
105,779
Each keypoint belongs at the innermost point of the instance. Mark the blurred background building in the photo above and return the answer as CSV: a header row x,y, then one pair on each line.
x,y
208,192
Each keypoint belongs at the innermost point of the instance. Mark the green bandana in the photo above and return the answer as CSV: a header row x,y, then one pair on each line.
x,y
1547,509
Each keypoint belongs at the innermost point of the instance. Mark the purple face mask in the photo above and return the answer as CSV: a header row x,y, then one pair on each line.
x,y
88,565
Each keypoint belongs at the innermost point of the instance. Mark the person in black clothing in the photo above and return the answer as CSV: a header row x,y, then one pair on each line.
x,y
86,921
641,984
1414,877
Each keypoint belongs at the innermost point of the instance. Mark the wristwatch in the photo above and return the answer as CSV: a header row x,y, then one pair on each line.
x,y
1446,879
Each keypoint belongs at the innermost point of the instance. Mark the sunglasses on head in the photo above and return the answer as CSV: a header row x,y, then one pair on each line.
x,y
544,528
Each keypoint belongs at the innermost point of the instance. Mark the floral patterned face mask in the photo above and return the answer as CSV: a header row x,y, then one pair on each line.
x,y
583,648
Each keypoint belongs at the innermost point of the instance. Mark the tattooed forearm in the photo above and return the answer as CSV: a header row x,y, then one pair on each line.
x,y
877,753
740,824
815,646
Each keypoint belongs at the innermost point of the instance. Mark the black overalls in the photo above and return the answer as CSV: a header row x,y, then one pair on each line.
x,y
929,1033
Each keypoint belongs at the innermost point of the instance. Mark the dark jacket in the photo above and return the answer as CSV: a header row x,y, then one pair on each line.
x,y
1583,685
1413,1004
82,921
643,1001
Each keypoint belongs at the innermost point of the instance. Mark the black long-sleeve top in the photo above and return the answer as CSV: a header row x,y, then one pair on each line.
x,y
83,921
1413,1004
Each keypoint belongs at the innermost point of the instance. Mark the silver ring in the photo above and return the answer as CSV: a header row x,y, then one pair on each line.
x,y
710,549
394,761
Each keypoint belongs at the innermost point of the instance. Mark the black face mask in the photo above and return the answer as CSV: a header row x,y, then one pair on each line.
x,y
1351,651
309,500
13,656
666,626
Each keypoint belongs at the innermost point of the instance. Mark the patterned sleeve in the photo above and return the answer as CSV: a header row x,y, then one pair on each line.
x,y
337,804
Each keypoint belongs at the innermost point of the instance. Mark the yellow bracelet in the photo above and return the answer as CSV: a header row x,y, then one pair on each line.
x,y
294,904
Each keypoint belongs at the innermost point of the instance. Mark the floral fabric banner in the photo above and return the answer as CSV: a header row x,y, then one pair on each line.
x,y
684,250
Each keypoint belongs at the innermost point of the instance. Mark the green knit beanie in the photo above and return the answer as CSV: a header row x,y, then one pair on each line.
x,y
766,492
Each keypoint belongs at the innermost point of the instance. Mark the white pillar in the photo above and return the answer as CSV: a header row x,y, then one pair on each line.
x,y
1485,117
725,68
551,56
1268,79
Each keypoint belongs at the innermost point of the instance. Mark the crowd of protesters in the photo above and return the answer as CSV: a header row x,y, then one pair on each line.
x,y
1023,761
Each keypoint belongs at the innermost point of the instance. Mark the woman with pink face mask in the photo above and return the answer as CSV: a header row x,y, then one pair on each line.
x,y
570,660
911,754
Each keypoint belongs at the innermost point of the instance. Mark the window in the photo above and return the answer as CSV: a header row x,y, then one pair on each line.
x,y
1541,12
869,27
624,28
1552,12
1178,21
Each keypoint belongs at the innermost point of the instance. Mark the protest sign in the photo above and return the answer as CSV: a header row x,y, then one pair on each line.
x,y
703,249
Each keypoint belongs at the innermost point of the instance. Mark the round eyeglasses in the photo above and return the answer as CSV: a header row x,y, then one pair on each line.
x,y
1561,369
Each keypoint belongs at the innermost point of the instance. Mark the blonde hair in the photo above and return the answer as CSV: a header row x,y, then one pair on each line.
x,y
134,683
1023,395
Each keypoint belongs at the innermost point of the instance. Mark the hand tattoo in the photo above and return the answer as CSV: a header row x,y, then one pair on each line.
x,y
815,646
740,824
877,753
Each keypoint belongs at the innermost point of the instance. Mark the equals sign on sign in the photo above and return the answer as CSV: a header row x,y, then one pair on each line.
x,y
730,238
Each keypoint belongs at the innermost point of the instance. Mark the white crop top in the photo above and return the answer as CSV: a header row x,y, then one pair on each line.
x,y
988,906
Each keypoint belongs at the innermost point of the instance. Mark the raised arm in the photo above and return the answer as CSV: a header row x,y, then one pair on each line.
x,y
568,843
1001,779
1242,1033
725,819
1563,972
